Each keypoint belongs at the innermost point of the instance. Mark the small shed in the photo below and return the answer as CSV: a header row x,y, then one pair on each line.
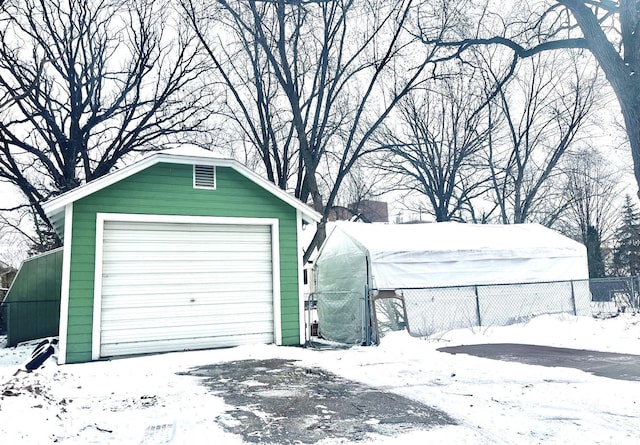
x,y
181,250
31,308
359,257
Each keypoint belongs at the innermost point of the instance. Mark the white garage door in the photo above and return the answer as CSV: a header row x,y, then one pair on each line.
x,y
173,286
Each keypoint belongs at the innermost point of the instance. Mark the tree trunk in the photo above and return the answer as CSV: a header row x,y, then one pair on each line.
x,y
630,107
623,74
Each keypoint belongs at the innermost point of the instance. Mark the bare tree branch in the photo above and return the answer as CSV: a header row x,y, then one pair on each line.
x,y
83,84
610,30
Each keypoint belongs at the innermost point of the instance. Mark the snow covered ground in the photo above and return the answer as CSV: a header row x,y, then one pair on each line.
x,y
145,400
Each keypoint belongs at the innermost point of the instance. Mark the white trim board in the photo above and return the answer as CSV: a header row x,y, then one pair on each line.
x,y
275,271
207,220
300,255
64,289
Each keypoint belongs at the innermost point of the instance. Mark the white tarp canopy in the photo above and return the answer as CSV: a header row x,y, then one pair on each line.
x,y
427,260
455,254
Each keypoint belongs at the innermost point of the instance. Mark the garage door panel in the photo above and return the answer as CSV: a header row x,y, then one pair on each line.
x,y
258,266
144,296
164,296
177,228
141,292
261,271
179,325
185,286
239,278
159,250
221,341
134,258
185,237
168,232
225,241
241,306
211,310
151,333
202,286
173,333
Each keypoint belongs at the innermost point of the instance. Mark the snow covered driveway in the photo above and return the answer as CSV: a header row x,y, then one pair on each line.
x,y
147,399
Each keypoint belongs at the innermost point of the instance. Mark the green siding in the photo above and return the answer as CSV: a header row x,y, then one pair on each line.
x,y
33,303
167,189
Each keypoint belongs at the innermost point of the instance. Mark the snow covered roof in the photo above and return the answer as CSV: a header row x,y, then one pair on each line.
x,y
455,254
453,236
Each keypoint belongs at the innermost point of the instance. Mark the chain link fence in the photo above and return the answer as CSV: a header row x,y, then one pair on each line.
x,y
360,318
431,310
425,311
611,296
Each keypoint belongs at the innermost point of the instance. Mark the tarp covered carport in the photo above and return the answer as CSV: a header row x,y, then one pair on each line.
x,y
358,256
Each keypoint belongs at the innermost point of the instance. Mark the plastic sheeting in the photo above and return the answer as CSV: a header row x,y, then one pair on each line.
x,y
455,254
379,256
341,280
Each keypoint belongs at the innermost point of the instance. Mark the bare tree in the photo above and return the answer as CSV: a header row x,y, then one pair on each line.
x,y
255,113
441,130
25,233
85,83
363,182
544,108
592,187
338,74
13,246
606,28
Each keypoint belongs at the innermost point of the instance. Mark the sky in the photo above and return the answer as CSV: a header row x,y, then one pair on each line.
x,y
494,402
10,252
9,196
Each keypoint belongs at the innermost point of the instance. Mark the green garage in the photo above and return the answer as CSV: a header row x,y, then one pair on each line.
x,y
180,250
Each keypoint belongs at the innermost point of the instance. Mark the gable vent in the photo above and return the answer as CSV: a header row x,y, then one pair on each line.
x,y
204,176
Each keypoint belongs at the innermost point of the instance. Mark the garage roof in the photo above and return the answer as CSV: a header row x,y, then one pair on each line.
x,y
181,155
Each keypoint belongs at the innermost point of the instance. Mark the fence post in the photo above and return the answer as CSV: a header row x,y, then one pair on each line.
x,y
573,299
475,288
367,317
307,320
